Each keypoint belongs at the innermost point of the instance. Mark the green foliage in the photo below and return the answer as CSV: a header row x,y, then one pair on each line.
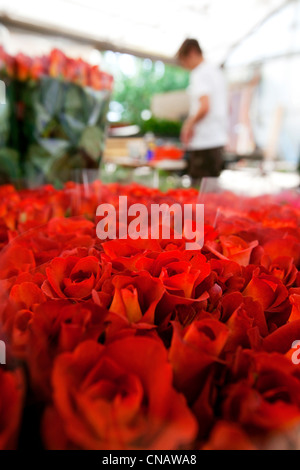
x,y
9,165
135,92
161,127
59,127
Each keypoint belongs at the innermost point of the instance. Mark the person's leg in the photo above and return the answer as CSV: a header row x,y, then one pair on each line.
x,y
205,163
197,167
215,161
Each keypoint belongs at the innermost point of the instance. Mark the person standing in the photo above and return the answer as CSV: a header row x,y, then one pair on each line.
x,y
204,133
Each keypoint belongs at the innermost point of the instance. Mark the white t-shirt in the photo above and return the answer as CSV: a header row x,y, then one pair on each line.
x,y
211,131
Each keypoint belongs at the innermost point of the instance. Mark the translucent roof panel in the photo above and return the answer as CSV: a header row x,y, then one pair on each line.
x,y
154,28
278,36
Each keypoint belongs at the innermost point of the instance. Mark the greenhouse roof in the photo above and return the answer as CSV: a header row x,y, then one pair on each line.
x,y
152,29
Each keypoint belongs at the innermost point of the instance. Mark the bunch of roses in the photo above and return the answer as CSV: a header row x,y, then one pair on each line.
x,y
141,344
55,65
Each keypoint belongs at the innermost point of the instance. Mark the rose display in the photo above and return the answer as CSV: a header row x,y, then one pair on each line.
x,y
55,116
124,344
56,64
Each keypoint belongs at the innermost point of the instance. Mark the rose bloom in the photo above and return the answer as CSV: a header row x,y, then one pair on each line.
x,y
295,301
229,275
228,436
134,255
233,248
118,396
11,406
136,297
181,273
74,278
245,319
58,326
184,276
264,394
287,246
282,339
193,350
270,292
283,268
15,260
194,355
24,299
58,236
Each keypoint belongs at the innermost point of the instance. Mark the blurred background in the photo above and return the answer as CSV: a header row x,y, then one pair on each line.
x,y
94,84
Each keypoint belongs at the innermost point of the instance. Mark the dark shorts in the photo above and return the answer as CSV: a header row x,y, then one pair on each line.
x,y
202,163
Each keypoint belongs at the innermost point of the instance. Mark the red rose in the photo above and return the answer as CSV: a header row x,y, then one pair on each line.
x,y
117,397
72,232
194,353
228,436
242,315
74,277
283,268
233,248
184,276
23,66
26,295
287,246
24,298
11,399
272,295
56,327
136,297
136,255
295,301
265,393
181,273
282,339
192,350
58,236
229,275
15,260
57,63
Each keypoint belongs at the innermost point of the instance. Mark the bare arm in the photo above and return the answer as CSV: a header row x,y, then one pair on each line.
x,y
188,126
203,109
